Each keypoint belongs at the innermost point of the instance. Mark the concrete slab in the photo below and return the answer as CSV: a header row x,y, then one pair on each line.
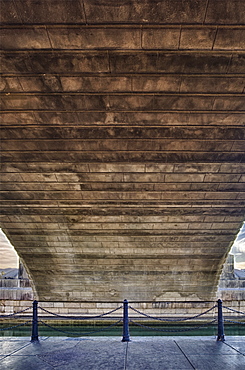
x,y
8,347
218,362
154,354
235,343
203,346
109,353
44,346
23,363
89,355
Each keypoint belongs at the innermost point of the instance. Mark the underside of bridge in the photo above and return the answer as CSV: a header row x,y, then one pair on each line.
x,y
123,144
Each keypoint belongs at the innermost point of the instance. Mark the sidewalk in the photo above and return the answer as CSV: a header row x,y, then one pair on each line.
x,y
109,353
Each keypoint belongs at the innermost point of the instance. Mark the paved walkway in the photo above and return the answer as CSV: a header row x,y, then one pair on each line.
x,y
109,353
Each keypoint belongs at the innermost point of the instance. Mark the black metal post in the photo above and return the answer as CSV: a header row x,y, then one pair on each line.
x,y
126,336
34,336
220,335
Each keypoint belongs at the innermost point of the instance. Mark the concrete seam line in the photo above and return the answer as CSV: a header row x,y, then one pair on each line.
x,y
10,354
126,357
237,350
185,355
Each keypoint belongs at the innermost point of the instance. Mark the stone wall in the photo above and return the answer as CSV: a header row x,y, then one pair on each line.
x,y
17,294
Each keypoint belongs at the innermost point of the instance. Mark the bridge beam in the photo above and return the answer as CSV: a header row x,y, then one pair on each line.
x,y
123,145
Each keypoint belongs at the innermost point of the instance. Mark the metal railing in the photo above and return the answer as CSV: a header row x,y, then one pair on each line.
x,y
16,315
125,320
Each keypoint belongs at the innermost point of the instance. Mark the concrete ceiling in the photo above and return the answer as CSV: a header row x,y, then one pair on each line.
x,y
123,144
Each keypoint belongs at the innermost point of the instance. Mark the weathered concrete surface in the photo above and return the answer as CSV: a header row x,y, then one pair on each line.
x,y
180,353
123,145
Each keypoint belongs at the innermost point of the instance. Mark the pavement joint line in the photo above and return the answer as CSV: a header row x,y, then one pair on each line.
x,y
45,362
10,354
193,367
43,339
237,350
126,357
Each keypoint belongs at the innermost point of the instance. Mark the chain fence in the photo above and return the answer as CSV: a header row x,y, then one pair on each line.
x,y
232,309
81,333
16,326
174,330
15,313
126,321
81,317
173,320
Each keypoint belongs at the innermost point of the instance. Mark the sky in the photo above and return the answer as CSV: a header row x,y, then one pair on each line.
x,y
9,258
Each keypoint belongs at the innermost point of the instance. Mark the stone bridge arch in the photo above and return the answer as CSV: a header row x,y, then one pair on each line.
x,y
123,145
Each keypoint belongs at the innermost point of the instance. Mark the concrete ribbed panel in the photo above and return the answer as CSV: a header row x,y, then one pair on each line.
x,y
123,145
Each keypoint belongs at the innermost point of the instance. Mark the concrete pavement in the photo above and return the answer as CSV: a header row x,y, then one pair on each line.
x,y
109,353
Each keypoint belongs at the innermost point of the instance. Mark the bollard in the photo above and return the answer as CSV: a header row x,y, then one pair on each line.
x,y
220,335
126,337
34,336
